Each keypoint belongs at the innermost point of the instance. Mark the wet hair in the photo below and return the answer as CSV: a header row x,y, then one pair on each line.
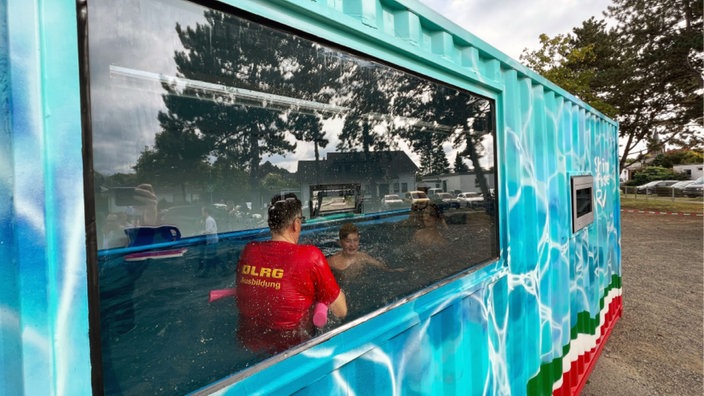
x,y
430,207
283,210
434,210
347,229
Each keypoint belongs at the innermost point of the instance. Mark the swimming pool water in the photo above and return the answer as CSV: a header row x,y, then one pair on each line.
x,y
161,336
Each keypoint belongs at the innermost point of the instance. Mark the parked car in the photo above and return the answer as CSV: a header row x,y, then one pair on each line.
x,y
391,201
470,199
414,197
680,185
649,188
446,200
433,192
676,190
695,189
641,189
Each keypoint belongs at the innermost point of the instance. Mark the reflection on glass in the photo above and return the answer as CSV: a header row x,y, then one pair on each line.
x,y
584,201
200,116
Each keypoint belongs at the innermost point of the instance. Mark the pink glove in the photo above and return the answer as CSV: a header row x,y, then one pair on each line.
x,y
320,315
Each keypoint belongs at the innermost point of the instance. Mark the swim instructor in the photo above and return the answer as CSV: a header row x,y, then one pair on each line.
x,y
279,281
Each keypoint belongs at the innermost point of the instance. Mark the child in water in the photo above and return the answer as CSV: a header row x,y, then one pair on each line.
x,y
432,221
349,262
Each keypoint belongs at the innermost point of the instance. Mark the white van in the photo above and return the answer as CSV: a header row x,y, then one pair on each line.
x,y
433,192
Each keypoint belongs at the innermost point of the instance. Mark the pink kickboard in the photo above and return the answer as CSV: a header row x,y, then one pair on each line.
x,y
221,293
159,254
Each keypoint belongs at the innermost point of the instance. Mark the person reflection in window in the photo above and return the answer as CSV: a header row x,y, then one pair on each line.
x,y
209,258
278,283
144,194
350,261
114,232
432,221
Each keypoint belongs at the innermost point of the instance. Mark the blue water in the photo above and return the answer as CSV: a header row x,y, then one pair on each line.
x,y
161,336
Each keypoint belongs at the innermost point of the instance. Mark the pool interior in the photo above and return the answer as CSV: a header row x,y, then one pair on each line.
x,y
160,335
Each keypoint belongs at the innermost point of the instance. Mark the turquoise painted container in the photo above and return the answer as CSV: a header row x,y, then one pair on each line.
x,y
530,322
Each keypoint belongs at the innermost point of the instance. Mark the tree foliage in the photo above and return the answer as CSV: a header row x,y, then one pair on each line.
x,y
651,173
459,166
579,63
678,157
245,92
646,71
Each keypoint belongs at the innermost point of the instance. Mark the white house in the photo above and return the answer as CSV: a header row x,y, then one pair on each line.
x,y
693,170
457,182
378,173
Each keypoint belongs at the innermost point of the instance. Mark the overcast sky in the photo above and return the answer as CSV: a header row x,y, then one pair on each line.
x,y
512,25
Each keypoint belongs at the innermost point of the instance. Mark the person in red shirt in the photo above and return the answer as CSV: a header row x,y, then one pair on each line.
x,y
279,281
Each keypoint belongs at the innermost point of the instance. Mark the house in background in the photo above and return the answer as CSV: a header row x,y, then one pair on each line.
x,y
694,171
378,172
628,172
458,182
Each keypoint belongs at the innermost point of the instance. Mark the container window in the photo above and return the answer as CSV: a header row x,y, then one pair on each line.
x,y
582,202
201,112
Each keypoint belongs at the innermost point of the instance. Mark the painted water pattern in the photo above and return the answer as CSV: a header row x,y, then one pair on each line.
x,y
516,316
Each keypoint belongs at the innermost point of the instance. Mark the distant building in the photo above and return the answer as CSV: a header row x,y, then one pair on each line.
x,y
378,172
457,182
694,171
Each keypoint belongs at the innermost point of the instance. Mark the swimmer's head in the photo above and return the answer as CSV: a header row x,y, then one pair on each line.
x,y
429,214
284,209
348,229
349,239
433,210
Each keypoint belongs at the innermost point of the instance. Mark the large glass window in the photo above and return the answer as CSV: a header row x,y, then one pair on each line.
x,y
199,110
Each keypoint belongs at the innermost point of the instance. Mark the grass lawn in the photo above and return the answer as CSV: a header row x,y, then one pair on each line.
x,y
662,204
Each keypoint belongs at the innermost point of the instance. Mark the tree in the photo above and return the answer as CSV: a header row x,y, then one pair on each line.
x,y
367,91
315,79
579,63
206,121
663,44
646,72
420,124
178,157
307,128
441,115
678,157
459,166
652,173
432,155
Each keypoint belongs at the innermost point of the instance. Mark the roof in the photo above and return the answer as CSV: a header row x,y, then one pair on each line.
x,y
354,166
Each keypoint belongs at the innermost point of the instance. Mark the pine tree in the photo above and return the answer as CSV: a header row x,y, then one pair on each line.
x,y
459,166
646,72
207,118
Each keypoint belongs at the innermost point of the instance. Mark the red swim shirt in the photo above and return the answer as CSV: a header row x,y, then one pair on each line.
x,y
277,285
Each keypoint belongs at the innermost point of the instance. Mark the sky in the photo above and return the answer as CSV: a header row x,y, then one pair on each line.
x,y
512,25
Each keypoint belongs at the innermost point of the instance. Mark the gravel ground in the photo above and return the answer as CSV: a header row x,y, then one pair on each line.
x,y
656,347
